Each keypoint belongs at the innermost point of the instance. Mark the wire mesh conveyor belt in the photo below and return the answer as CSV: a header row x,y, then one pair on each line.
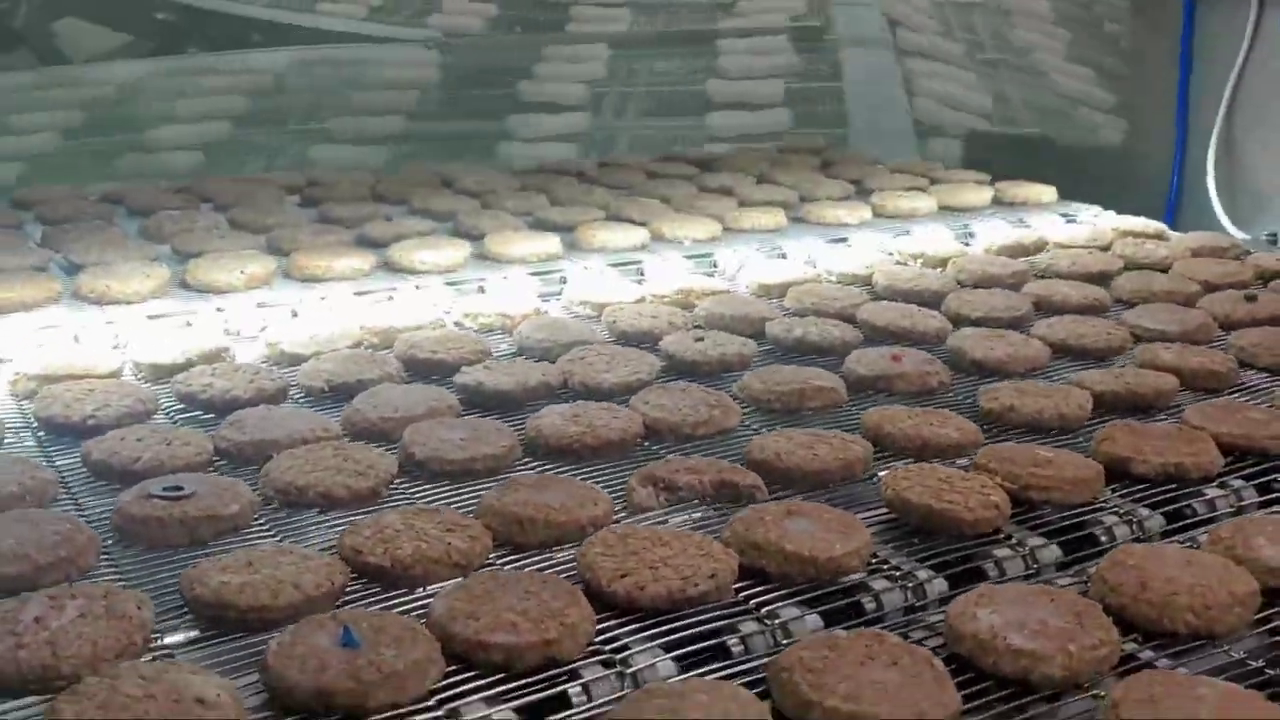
x,y
906,584
72,315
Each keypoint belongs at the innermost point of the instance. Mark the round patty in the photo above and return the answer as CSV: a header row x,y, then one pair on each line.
x,y
1157,452
807,459
415,545
513,621
352,662
1139,287
530,512
989,271
826,300
584,430
348,372
792,389
1035,405
39,548
795,542
86,408
707,353
1083,336
25,483
506,384
997,352
900,322
229,386
1174,590
230,272
921,433
165,225
914,285
1215,274
122,283
381,413
132,454
861,674
988,308
644,323
682,411
1249,542
1128,388
1237,426
1067,297
655,569
945,500
1209,244
1173,695
22,290
253,436
1147,253
692,698
263,587
459,448
1166,322
601,371
42,635
328,475
821,337
1257,347
1235,309
1050,638
184,509
895,370
740,315
440,353
1197,368
677,480
158,689
544,337
1081,265
1040,474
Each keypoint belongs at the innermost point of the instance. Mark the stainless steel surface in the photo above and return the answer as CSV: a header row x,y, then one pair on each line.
x,y
909,580
1247,181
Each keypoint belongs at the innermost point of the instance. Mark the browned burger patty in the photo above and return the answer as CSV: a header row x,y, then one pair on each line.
x,y
799,542
1042,474
513,621
635,567
1050,638
1251,543
676,480
945,500
1176,591
861,674
692,699
1157,452
809,458
159,689
1237,426
353,662
1172,695
535,511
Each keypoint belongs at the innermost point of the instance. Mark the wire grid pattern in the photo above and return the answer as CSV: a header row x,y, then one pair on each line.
x,y
286,295
907,582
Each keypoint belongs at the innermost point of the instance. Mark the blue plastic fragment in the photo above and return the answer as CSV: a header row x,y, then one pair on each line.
x,y
348,638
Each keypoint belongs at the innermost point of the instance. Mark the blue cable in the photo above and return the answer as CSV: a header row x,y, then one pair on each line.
x,y
1181,117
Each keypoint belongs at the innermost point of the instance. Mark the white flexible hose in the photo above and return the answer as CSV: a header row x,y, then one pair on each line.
x,y
1228,95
